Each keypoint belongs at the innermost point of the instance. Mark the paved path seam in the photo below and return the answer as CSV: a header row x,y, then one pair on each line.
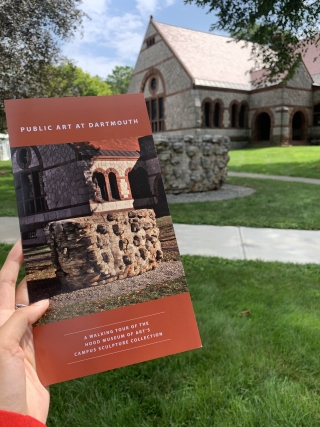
x,y
242,244
275,177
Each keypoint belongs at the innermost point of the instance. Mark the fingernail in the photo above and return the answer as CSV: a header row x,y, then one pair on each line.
x,y
42,302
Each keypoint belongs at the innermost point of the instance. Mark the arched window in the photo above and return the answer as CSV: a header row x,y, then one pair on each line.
x,y
316,115
207,108
100,188
139,183
234,112
30,192
154,89
242,116
216,115
212,113
114,190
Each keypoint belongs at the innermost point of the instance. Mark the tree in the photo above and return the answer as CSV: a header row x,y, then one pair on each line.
x,y
30,36
69,80
91,86
280,30
119,79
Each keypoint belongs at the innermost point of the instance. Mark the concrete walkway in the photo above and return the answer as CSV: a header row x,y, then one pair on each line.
x,y
228,242
9,229
275,177
266,244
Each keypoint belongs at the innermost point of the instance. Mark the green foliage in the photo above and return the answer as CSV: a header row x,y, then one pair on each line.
x,y
69,80
287,161
90,86
59,81
280,31
30,36
119,79
275,204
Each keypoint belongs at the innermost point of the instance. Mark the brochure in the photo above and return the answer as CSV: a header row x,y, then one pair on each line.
x,y
97,235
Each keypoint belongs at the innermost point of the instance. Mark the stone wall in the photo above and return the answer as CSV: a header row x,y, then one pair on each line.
x,y
191,164
91,251
159,58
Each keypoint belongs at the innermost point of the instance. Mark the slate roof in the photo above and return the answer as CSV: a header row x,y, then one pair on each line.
x,y
219,61
109,153
313,65
210,59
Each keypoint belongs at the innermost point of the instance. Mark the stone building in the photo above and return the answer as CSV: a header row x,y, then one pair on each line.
x,y
198,83
62,181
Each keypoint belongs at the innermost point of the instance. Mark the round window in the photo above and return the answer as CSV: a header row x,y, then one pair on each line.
x,y
154,83
24,157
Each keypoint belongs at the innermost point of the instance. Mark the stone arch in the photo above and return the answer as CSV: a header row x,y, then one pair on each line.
x,y
262,125
217,113
298,124
243,115
139,183
156,73
206,109
37,152
99,185
113,184
126,177
234,114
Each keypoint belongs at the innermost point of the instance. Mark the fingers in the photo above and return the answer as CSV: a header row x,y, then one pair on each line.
x,y
8,277
22,296
15,327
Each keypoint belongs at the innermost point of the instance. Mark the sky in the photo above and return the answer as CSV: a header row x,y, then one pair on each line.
x,y
114,34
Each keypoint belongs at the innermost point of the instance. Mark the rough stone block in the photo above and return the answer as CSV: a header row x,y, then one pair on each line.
x,y
190,164
89,251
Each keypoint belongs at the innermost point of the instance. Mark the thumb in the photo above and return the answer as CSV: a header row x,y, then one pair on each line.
x,y
15,327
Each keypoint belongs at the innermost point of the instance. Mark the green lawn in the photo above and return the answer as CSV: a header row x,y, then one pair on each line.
x,y
4,250
260,370
8,206
288,161
275,204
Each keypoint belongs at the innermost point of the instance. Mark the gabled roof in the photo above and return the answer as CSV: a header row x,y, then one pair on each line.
x,y
219,61
210,59
311,58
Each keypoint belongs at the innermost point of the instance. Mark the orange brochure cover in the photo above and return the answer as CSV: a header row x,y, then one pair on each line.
x,y
97,235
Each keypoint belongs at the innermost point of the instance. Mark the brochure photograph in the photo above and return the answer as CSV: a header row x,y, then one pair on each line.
x,y
114,236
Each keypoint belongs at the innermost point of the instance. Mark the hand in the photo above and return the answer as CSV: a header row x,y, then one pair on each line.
x,y
20,390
